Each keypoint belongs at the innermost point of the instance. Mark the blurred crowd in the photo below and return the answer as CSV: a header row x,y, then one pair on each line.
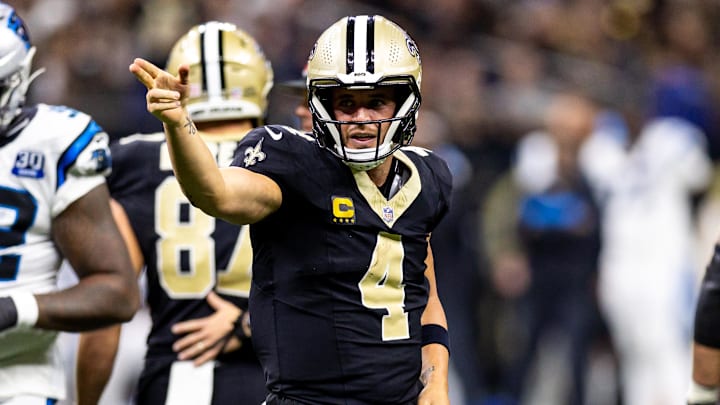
x,y
583,137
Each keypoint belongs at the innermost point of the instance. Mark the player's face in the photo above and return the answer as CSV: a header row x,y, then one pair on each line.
x,y
363,105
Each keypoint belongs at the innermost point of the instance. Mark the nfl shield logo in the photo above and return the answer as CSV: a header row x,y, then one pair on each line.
x,y
388,214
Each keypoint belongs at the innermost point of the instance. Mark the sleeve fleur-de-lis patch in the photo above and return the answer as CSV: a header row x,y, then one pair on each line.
x,y
254,154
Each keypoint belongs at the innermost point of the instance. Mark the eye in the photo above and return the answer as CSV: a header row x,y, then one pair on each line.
x,y
377,103
345,103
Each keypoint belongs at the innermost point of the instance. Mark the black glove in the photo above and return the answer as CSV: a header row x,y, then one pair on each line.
x,y
8,313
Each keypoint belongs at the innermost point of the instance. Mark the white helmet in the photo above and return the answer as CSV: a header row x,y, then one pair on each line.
x,y
363,52
230,77
16,54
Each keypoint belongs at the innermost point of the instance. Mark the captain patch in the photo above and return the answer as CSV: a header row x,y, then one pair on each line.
x,y
343,210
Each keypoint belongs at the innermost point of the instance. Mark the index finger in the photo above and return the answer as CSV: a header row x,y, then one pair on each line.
x,y
145,72
187,326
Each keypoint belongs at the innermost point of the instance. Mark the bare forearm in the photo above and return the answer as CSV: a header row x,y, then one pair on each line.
x,y
435,353
435,360
95,359
434,375
97,301
706,365
233,194
435,357
194,166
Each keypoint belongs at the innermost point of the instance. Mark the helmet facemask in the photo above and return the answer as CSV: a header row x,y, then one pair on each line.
x,y
400,127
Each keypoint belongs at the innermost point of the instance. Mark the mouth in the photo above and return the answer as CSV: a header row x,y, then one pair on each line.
x,y
360,141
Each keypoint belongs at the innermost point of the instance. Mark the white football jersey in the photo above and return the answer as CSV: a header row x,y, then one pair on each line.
x,y
53,156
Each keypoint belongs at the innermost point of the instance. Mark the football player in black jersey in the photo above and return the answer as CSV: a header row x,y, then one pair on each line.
x,y
343,303
198,267
705,379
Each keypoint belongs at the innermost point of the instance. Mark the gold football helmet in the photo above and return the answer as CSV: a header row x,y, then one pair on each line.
x,y
230,77
364,52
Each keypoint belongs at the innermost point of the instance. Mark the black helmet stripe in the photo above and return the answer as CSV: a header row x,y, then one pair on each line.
x,y
202,60
350,43
371,44
211,46
221,59
360,39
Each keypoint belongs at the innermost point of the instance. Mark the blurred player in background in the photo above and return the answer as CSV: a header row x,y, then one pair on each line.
x,y
54,203
198,268
298,89
644,173
344,304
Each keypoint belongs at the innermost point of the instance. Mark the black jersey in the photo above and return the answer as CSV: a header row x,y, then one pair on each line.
x,y
338,278
187,253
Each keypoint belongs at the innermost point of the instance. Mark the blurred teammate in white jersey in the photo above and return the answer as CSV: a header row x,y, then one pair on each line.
x,y
54,203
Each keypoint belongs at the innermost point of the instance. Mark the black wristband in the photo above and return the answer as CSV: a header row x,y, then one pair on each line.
x,y
433,333
8,313
238,326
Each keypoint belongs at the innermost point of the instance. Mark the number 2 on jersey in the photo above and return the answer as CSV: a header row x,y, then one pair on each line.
x,y
17,213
